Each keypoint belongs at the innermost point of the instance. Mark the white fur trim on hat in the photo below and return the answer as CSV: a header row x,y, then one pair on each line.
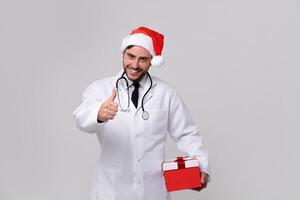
x,y
138,39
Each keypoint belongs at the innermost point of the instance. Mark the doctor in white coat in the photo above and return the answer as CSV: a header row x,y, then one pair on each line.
x,y
132,133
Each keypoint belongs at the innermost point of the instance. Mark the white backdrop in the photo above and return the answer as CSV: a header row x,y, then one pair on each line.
x,y
235,63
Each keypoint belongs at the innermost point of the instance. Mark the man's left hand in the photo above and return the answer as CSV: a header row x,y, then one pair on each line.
x,y
204,181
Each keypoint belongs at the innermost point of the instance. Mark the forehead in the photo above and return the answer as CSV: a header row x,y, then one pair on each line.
x,y
138,51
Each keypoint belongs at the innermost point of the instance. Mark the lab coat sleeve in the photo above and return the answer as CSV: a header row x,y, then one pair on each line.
x,y
184,132
85,115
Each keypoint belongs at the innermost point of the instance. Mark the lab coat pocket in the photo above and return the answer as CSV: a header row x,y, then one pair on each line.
x,y
105,184
157,122
155,185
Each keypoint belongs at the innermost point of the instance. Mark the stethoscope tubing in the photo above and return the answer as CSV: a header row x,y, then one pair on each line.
x,y
145,114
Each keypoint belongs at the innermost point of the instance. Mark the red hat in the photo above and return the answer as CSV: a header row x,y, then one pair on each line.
x,y
149,39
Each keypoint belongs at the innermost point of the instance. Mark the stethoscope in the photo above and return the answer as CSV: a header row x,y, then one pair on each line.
x,y
145,114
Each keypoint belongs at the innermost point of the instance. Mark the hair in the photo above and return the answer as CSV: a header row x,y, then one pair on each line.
x,y
129,47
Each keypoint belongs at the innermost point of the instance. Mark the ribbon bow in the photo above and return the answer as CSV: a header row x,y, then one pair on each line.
x,y
181,162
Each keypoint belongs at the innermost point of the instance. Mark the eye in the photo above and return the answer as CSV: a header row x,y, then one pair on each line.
x,y
130,56
144,59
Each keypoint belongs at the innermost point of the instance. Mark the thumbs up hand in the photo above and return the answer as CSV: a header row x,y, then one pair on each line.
x,y
109,108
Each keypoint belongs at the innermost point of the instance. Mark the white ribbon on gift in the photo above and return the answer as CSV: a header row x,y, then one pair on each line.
x,y
188,161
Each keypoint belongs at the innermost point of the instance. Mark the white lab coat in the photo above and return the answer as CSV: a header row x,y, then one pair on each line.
x,y
132,149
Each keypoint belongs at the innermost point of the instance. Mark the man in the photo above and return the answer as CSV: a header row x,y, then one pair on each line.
x,y
132,133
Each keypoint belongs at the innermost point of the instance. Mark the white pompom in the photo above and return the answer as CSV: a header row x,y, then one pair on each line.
x,y
157,61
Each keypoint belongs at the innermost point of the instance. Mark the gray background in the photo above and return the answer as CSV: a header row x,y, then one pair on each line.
x,y
235,63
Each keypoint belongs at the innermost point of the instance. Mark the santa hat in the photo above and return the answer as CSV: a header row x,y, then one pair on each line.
x,y
149,39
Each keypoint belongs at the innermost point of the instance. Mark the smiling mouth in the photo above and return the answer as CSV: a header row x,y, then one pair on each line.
x,y
134,71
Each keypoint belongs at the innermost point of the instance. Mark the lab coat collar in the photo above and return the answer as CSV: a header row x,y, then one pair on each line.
x,y
145,82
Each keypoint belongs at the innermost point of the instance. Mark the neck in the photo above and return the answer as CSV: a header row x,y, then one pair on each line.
x,y
136,80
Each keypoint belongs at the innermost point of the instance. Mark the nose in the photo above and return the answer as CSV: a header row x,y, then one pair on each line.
x,y
135,63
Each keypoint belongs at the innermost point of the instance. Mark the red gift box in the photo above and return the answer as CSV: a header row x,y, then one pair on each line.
x,y
182,173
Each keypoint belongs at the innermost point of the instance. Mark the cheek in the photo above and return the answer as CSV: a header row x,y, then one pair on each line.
x,y
126,62
145,66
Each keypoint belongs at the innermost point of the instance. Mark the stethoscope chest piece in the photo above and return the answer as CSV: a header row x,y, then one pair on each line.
x,y
145,115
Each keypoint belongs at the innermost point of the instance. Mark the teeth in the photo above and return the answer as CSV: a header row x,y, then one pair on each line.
x,y
134,70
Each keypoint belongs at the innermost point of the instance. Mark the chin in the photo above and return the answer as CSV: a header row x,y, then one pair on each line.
x,y
134,78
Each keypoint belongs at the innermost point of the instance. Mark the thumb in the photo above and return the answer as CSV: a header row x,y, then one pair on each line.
x,y
113,95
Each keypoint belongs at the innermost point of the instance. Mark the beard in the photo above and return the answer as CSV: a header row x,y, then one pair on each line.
x,y
134,74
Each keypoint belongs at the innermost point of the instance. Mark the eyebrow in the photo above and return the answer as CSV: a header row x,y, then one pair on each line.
x,y
142,57
130,54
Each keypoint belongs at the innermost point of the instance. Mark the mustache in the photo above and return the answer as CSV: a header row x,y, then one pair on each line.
x,y
134,68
